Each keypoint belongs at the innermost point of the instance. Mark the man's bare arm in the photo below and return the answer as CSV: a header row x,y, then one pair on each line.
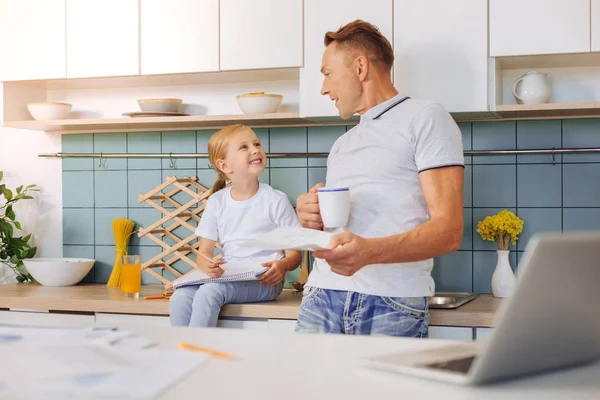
x,y
443,190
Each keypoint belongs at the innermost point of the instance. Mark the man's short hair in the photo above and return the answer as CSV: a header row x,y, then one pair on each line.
x,y
363,36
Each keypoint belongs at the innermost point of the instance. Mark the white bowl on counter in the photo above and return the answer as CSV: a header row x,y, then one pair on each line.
x,y
160,105
58,271
259,102
49,111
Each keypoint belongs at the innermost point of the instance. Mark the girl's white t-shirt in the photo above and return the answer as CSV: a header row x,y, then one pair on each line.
x,y
231,222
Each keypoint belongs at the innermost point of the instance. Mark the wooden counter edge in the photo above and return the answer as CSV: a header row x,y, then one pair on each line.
x,y
477,313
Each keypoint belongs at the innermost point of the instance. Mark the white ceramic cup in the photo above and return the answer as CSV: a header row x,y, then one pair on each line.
x,y
334,206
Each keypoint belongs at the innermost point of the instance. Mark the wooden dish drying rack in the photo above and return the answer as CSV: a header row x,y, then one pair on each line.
x,y
181,216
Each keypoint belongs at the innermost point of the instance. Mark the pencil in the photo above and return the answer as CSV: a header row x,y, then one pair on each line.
x,y
210,260
188,346
155,297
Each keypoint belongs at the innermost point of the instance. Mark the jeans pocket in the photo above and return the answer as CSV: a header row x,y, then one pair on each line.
x,y
309,294
415,306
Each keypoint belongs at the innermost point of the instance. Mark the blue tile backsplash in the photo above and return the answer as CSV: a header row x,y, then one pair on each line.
x,y
564,195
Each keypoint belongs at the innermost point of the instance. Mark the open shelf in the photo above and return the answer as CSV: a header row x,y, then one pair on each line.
x,y
548,110
574,81
144,124
288,119
571,60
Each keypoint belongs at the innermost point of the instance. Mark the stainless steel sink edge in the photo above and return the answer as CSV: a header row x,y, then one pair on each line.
x,y
451,300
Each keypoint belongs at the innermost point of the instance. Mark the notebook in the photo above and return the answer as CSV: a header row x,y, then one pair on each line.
x,y
235,271
291,238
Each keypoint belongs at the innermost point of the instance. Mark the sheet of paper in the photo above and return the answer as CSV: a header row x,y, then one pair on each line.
x,y
21,360
291,238
241,266
95,372
70,335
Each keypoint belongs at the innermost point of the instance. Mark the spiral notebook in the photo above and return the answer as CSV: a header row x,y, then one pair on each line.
x,y
235,271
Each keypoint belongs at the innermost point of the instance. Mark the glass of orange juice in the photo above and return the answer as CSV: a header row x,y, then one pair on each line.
x,y
131,275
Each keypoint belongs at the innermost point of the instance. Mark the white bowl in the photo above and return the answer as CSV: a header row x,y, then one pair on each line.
x,y
159,105
259,102
58,271
49,111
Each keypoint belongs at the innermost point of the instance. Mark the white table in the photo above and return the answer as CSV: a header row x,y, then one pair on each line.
x,y
287,366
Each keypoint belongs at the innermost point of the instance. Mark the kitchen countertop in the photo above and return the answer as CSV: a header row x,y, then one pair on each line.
x,y
299,366
98,298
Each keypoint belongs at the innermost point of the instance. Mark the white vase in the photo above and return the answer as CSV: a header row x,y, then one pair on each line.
x,y
503,279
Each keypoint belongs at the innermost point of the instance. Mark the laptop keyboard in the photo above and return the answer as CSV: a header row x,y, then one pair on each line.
x,y
459,365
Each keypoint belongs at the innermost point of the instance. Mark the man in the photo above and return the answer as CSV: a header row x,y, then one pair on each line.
x,y
404,166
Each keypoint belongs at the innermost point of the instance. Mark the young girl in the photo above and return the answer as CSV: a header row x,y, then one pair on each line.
x,y
233,215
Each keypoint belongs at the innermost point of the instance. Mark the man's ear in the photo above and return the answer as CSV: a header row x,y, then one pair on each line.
x,y
222,166
361,66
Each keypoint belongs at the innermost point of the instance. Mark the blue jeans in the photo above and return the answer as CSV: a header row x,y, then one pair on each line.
x,y
337,311
200,305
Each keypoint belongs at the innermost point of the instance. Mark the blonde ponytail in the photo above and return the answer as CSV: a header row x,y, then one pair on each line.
x,y
219,184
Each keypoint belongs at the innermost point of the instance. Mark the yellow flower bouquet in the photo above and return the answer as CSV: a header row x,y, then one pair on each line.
x,y
503,227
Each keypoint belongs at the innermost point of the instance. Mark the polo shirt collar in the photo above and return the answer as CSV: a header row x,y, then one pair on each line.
x,y
382,108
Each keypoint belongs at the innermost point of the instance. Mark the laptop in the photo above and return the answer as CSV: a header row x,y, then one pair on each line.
x,y
551,322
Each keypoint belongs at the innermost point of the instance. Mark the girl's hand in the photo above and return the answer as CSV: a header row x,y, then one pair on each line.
x,y
212,269
276,273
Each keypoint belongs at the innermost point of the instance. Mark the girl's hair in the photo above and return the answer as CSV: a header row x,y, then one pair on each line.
x,y
217,150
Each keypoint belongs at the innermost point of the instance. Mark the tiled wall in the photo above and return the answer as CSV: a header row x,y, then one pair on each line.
x,y
560,196
94,194
548,197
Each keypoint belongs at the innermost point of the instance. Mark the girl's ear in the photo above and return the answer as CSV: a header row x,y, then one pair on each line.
x,y
222,166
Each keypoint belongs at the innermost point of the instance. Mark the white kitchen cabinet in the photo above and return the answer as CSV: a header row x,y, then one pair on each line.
x,y
282,325
255,325
441,52
102,38
32,39
321,16
259,34
451,333
106,319
595,20
523,27
179,36
45,318
483,333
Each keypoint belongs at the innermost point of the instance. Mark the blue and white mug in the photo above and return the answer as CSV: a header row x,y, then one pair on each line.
x,y
334,206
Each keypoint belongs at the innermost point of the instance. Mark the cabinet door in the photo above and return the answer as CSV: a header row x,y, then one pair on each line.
x,y
282,325
259,34
483,333
321,16
104,319
441,52
102,38
451,333
521,27
179,36
46,319
595,25
32,39
249,324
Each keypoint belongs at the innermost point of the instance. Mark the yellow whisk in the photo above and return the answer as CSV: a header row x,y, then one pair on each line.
x,y
122,229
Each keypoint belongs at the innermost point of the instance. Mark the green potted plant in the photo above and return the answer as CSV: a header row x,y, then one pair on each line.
x,y
13,248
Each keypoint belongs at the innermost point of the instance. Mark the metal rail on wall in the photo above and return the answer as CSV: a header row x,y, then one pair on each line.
x,y
551,152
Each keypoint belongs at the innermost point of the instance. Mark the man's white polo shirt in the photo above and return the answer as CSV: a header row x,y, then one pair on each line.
x,y
380,160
